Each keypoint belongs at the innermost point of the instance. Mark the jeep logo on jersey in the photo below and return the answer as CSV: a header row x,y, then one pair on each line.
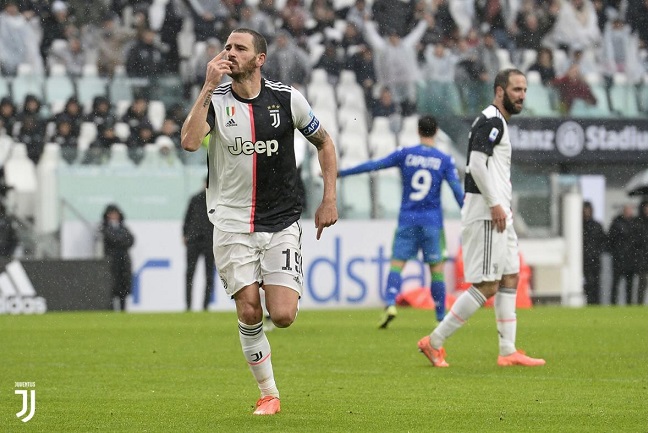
x,y
274,114
248,148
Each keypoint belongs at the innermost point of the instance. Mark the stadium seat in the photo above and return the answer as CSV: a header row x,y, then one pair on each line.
x,y
119,157
58,88
90,70
4,87
156,113
410,124
355,193
538,102
24,85
408,135
88,132
315,52
318,76
352,118
122,131
88,88
388,193
50,130
533,77
156,14
439,98
382,140
329,122
121,107
353,144
351,96
151,158
321,95
408,138
20,174
120,89
6,146
347,78
504,58
528,58
623,98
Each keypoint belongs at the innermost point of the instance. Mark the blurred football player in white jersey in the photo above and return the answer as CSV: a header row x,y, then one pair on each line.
x,y
252,197
490,244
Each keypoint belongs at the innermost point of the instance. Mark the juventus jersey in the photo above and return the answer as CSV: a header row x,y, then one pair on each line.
x,y
489,135
252,171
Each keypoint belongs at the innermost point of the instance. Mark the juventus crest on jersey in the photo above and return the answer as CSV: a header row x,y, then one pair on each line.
x,y
252,170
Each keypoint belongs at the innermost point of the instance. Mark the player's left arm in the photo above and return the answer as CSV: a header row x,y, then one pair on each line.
x,y
310,126
326,214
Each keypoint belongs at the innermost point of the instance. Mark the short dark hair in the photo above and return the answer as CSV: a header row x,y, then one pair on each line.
x,y
427,126
502,78
259,42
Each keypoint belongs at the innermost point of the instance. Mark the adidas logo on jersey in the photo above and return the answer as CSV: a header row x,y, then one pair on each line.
x,y
230,122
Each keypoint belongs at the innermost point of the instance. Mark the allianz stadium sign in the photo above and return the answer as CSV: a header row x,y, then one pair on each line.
x,y
579,141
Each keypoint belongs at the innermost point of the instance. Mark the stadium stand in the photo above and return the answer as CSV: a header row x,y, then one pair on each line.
x,y
342,105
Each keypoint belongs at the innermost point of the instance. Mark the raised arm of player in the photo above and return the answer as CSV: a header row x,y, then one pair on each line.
x,y
195,126
326,214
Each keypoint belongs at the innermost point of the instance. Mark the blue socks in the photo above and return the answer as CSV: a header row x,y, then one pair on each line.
x,y
394,282
438,294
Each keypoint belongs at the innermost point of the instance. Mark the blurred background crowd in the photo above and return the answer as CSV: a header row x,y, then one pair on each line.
x,y
130,67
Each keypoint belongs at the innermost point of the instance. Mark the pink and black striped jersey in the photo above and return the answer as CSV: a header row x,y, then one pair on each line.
x,y
251,158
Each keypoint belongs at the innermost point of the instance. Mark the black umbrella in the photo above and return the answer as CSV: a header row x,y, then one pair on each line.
x,y
638,184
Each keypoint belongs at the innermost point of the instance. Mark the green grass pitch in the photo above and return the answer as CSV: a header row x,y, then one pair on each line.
x,y
111,372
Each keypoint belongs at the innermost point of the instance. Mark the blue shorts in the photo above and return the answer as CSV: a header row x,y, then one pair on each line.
x,y
409,240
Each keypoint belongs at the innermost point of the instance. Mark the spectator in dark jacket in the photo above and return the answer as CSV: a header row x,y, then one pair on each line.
x,y
625,246
99,150
330,62
101,112
197,234
544,65
8,235
32,134
643,260
594,243
7,115
145,60
64,137
117,240
73,113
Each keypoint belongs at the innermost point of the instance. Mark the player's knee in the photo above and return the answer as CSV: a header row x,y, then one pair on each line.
x,y
282,319
250,313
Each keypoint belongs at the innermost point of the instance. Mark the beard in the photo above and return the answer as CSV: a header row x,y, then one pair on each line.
x,y
509,105
244,71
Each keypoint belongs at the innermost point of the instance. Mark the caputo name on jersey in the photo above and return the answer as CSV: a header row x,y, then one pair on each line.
x,y
248,148
429,162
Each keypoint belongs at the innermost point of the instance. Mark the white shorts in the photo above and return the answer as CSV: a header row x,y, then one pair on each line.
x,y
488,254
269,258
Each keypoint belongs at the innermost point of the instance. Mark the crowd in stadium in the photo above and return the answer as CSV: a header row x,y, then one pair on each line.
x,y
403,54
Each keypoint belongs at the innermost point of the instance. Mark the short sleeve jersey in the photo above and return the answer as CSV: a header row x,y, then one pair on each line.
x,y
423,170
251,158
489,134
